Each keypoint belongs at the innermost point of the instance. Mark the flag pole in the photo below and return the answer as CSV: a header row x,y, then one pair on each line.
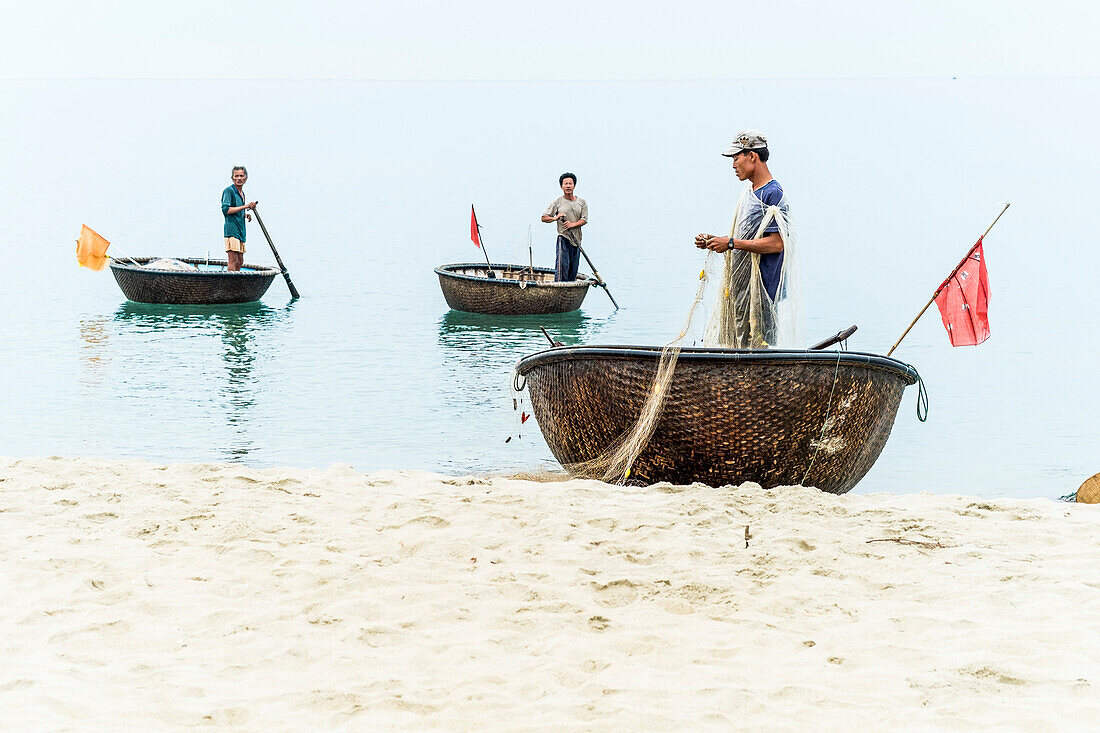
x,y
944,283
481,244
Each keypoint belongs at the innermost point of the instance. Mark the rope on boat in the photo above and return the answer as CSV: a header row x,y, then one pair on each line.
x,y
825,422
922,398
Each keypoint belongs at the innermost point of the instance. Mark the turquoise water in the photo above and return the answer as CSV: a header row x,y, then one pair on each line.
x,y
366,187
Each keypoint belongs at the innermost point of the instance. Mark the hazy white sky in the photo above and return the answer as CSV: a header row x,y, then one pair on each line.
x,y
510,39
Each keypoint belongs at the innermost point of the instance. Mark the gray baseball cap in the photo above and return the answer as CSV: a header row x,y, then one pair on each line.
x,y
746,140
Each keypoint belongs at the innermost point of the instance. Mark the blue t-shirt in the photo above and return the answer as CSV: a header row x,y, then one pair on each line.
x,y
771,265
234,223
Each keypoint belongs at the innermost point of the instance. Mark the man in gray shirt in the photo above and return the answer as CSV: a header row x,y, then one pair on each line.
x,y
571,213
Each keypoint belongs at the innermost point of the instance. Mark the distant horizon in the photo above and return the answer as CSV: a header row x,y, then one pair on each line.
x,y
389,80
497,40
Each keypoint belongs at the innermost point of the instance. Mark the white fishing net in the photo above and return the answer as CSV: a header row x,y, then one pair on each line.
x,y
757,298
755,304
169,264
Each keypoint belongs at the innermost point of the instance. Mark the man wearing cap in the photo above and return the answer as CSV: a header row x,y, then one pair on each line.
x,y
234,209
571,213
749,152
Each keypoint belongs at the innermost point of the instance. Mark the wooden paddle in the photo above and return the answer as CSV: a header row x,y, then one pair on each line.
x,y
289,284
836,339
596,275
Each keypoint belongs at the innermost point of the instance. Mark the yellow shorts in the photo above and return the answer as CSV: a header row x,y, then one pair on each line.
x,y
232,244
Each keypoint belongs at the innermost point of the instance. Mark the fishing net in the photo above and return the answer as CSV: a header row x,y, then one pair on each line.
x,y
169,264
757,300
754,304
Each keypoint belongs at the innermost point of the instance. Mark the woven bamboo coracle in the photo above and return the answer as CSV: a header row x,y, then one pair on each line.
x,y
191,287
1089,493
816,418
515,291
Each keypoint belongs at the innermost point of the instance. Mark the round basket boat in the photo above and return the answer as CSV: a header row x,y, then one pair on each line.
x,y
203,286
816,418
515,291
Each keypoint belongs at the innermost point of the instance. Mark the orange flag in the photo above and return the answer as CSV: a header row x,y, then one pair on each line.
x,y
91,249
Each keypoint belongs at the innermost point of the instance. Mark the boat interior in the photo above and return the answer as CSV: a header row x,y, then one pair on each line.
x,y
510,272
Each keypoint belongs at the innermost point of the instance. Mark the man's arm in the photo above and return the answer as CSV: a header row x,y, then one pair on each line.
x,y
227,201
580,222
766,245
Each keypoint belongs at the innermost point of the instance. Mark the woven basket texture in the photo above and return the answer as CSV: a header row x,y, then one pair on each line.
x,y
1089,493
514,292
192,288
776,418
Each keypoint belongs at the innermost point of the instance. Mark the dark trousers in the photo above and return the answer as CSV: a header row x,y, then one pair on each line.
x,y
569,259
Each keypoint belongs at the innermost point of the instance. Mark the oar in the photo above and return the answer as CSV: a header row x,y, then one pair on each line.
x,y
289,284
599,280
553,343
834,339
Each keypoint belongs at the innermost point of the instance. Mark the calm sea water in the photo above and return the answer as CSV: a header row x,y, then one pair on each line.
x,y
365,187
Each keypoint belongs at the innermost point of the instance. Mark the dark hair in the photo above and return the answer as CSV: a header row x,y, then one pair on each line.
x,y
762,152
239,168
563,176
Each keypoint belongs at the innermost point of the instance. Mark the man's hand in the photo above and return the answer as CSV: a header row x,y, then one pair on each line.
x,y
711,242
251,206
569,224
248,217
720,244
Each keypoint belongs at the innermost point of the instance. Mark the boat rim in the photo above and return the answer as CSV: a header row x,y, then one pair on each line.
x,y
719,354
252,270
446,270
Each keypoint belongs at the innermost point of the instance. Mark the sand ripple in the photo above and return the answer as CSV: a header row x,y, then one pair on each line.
x,y
175,596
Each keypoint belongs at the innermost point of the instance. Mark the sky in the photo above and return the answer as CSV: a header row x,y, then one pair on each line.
x,y
514,40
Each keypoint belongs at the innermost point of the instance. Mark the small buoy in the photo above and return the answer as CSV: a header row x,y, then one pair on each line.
x,y
1089,493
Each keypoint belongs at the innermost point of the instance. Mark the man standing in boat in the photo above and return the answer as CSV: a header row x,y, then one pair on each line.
x,y
755,274
570,213
234,209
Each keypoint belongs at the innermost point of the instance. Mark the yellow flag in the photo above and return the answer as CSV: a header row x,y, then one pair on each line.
x,y
91,249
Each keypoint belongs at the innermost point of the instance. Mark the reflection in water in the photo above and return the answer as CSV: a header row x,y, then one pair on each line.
x,y
94,353
479,351
477,331
237,326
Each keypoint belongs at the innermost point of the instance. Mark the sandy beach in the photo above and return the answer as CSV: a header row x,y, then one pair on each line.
x,y
163,597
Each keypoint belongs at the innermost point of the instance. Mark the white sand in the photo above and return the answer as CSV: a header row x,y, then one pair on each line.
x,y
151,597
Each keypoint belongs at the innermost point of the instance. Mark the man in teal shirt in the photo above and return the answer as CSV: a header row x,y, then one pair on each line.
x,y
234,210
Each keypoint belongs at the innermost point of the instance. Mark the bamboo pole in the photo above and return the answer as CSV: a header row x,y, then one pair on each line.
x,y
944,283
481,244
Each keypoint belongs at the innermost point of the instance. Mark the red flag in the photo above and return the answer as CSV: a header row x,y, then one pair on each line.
x,y
475,237
963,300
